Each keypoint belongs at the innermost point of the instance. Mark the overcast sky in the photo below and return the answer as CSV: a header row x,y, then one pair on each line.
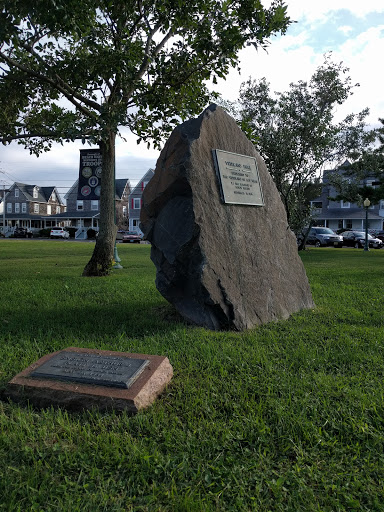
x,y
352,29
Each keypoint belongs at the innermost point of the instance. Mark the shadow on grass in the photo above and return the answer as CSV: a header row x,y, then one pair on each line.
x,y
91,322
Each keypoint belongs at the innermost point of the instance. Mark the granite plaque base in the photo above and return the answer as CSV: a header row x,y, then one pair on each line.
x,y
77,378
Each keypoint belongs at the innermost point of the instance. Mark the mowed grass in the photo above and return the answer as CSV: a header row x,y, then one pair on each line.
x,y
285,417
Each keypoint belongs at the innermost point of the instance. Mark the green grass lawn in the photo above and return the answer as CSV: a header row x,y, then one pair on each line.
x,y
285,417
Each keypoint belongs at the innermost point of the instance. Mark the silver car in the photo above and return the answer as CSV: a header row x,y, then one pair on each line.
x,y
321,237
59,233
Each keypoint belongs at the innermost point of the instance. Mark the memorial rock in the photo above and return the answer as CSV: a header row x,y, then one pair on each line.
x,y
222,265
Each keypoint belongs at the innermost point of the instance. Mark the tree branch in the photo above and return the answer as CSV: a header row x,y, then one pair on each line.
x,y
59,85
147,59
43,135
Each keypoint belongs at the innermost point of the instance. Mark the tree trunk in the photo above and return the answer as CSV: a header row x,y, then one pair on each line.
x,y
304,239
102,258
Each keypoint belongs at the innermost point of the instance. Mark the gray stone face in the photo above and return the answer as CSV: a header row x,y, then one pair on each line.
x,y
223,266
114,371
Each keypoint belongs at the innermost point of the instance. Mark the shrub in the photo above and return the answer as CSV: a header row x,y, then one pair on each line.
x,y
91,233
45,232
72,232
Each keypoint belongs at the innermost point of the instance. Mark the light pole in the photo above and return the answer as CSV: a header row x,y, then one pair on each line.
x,y
367,204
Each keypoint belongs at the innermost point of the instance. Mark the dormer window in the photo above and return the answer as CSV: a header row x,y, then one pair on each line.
x,y
35,192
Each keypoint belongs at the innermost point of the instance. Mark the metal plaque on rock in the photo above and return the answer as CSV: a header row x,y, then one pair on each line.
x,y
238,178
100,370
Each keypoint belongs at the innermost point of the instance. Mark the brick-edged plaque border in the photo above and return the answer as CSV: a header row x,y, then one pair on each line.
x,y
45,392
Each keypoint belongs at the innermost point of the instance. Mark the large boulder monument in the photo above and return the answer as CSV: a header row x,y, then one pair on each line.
x,y
221,244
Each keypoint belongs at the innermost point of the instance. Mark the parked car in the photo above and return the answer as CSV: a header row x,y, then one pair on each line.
x,y
131,237
322,237
58,232
377,234
22,233
121,233
357,239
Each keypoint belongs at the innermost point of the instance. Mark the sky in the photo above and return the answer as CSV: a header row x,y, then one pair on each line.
x,y
353,30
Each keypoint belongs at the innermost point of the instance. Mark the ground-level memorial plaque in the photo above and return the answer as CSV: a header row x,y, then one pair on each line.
x,y
221,244
78,378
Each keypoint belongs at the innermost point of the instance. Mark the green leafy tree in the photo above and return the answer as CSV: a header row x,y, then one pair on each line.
x,y
349,180
296,134
83,70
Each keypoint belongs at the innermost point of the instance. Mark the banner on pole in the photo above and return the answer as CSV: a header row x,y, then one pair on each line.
x,y
89,174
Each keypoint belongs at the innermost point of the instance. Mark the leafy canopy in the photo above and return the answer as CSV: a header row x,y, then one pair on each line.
x,y
295,131
80,70
364,176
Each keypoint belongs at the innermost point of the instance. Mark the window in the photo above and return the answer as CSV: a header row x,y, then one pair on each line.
x,y
80,205
17,207
16,192
373,183
53,196
23,207
136,203
94,205
9,207
382,204
49,209
35,192
345,204
340,224
348,224
125,211
57,209
36,207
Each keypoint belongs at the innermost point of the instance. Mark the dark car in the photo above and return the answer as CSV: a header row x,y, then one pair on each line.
x,y
322,237
22,233
378,234
357,239
131,237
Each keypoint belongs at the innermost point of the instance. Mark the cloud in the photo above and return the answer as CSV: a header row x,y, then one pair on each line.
x,y
60,166
295,57
360,55
345,29
310,12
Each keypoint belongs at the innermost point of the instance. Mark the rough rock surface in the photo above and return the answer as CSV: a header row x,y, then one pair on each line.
x,y
222,266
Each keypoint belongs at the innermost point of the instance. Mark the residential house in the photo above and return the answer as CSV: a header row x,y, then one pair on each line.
x,y
85,214
136,201
31,206
344,215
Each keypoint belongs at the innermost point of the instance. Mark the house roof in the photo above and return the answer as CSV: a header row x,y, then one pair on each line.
x,y
77,214
347,213
147,176
28,216
43,193
121,184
